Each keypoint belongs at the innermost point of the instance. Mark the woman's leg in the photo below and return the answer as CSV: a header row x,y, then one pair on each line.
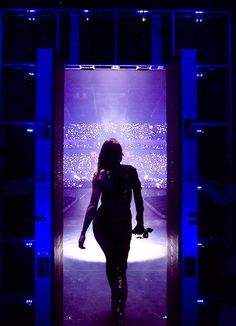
x,y
116,249
116,275
116,266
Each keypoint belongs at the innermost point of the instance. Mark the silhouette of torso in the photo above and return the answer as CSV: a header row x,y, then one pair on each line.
x,y
114,212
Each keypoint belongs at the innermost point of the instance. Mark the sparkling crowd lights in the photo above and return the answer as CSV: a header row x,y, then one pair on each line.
x,y
144,146
127,131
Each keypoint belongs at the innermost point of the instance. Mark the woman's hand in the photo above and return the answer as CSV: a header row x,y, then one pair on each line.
x,y
81,241
139,229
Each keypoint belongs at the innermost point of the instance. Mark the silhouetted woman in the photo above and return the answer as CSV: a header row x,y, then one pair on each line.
x,y
112,221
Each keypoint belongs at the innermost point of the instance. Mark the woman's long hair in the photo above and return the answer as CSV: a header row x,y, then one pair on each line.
x,y
110,154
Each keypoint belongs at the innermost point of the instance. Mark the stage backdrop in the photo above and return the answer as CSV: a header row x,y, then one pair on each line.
x,y
129,105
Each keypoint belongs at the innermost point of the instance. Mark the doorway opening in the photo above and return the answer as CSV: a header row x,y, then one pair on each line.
x,y
129,105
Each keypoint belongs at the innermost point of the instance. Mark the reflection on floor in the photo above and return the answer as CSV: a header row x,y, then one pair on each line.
x,y
86,291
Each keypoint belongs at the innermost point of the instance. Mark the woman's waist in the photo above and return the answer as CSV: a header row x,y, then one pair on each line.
x,y
115,208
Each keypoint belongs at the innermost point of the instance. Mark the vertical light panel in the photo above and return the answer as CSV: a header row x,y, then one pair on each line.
x,y
43,189
189,189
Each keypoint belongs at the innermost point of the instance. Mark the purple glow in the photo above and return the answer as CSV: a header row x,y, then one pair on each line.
x,y
140,250
129,105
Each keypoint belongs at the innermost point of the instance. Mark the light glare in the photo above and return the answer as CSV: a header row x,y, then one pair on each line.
x,y
140,249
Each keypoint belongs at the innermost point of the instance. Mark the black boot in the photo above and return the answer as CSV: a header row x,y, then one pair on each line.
x,y
118,316
119,296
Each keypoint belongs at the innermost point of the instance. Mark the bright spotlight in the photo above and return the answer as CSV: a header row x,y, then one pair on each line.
x,y
140,249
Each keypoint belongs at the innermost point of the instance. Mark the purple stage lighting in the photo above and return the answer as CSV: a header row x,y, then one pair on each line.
x,y
129,105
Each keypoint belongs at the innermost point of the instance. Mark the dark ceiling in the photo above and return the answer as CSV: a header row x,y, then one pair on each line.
x,y
154,4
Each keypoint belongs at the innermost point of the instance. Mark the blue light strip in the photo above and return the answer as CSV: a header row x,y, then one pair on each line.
x,y
190,189
43,190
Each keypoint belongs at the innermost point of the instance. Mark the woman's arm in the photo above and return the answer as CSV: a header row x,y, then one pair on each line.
x,y
138,199
90,212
